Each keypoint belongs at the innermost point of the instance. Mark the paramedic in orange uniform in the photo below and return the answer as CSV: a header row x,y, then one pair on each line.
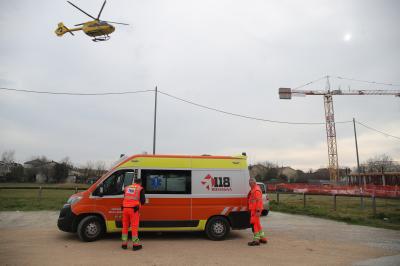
x,y
255,205
134,197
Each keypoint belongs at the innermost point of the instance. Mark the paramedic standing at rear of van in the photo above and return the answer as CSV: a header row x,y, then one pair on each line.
x,y
134,197
255,206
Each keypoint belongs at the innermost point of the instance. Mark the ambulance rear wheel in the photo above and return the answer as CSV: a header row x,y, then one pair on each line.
x,y
217,228
90,228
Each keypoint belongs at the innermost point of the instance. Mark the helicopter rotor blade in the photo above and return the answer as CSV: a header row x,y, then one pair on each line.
x,y
81,10
80,24
101,10
120,23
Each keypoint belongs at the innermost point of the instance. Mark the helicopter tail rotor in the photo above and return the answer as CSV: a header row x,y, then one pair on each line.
x,y
62,29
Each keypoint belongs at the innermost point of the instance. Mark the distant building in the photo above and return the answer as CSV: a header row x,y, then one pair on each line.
x,y
41,171
10,171
257,171
5,168
289,172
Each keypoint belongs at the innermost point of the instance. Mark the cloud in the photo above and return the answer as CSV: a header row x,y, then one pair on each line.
x,y
230,55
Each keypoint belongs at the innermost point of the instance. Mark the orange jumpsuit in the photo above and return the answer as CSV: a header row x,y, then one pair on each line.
x,y
130,214
255,204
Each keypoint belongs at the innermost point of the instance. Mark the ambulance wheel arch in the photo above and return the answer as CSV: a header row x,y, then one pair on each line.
x,y
90,227
217,228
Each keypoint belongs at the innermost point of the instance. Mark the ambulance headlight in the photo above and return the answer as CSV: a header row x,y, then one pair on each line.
x,y
73,199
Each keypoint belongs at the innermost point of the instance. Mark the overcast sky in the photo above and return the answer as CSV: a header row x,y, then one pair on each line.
x,y
230,55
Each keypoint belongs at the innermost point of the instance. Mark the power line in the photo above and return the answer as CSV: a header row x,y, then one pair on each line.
x,y
311,82
245,116
376,130
196,104
370,82
77,93
350,79
176,98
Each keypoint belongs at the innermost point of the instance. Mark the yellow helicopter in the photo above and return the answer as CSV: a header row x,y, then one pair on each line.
x,y
98,29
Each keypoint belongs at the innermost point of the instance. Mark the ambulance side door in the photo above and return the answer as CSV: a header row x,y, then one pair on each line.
x,y
168,197
109,195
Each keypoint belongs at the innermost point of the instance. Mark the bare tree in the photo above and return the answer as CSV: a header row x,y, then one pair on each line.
x,y
62,169
100,168
67,162
264,171
270,165
381,163
8,156
45,167
88,170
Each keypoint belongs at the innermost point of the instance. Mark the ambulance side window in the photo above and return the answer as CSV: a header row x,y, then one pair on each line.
x,y
128,180
167,181
115,184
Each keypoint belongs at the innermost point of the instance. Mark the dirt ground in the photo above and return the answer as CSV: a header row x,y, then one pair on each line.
x,y
32,238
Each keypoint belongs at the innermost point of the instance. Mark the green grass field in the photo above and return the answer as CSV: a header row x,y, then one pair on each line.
x,y
348,209
31,200
28,199
63,185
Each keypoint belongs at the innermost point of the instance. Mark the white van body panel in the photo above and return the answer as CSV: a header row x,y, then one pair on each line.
x,y
229,182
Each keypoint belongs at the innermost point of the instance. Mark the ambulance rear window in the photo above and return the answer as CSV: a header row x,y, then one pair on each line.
x,y
167,181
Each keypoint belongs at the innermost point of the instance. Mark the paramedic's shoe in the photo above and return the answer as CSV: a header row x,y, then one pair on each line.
x,y
264,240
124,246
254,243
136,247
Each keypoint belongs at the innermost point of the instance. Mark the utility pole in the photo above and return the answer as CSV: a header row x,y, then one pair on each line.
x,y
355,139
155,122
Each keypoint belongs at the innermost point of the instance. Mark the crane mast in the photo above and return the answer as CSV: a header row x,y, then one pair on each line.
x,y
333,165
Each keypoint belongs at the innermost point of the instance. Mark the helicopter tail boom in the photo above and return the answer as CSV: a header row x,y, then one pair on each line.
x,y
62,29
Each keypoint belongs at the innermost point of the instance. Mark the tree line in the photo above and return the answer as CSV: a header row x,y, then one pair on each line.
x,y
46,170
270,172
42,169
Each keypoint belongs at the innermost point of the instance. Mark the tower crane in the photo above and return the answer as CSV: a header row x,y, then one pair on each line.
x,y
333,166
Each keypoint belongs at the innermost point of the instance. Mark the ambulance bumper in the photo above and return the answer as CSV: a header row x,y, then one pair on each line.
x,y
66,219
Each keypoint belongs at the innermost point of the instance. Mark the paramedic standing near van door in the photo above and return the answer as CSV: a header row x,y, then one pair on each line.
x,y
134,197
255,206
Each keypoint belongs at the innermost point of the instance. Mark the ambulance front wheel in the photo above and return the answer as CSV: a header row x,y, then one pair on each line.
x,y
90,228
217,228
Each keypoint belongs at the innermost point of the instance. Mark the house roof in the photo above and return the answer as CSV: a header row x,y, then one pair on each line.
x,y
38,162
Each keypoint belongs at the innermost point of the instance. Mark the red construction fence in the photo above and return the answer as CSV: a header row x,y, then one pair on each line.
x,y
367,190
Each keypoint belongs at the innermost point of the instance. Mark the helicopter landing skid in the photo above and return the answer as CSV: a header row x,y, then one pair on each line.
x,y
101,39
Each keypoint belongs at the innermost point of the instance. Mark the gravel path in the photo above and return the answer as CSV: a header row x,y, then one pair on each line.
x,y
32,238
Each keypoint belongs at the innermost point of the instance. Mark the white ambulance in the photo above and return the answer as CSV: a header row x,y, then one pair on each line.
x,y
183,193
